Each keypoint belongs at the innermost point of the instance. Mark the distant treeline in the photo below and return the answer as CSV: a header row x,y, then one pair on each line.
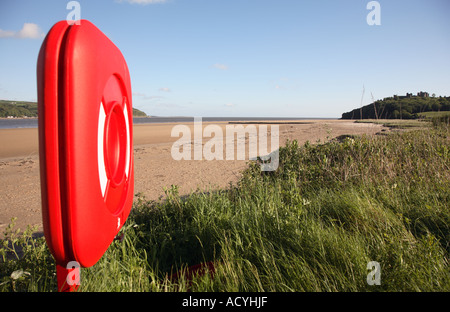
x,y
138,113
20,109
400,107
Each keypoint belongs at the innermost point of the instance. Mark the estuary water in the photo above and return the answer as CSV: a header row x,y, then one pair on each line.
x,y
12,123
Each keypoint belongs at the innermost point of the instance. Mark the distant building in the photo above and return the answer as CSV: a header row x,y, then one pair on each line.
x,y
410,95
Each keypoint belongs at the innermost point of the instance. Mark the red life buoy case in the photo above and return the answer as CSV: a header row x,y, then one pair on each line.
x,y
85,141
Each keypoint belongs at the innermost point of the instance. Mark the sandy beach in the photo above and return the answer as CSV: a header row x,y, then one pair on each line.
x,y
154,166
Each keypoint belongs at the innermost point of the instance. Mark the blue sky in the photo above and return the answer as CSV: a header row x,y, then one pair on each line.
x,y
247,58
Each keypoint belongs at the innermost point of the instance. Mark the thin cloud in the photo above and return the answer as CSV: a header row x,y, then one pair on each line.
x,y
221,66
167,105
28,31
164,89
147,97
6,33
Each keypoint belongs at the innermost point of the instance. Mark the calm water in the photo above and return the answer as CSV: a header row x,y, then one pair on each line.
x,y
18,123
33,123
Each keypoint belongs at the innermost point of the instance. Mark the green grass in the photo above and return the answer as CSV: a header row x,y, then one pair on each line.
x,y
434,114
313,225
410,124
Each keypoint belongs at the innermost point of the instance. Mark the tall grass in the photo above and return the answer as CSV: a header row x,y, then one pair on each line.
x,y
312,225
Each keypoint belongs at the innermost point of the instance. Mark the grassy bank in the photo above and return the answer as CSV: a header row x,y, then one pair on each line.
x,y
313,225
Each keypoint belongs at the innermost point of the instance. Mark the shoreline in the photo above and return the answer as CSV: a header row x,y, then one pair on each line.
x,y
153,164
32,122
23,142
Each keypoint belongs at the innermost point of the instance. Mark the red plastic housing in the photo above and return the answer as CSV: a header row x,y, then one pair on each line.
x,y
85,141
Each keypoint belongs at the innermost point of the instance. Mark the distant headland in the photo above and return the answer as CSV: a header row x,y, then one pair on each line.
x,y
24,109
407,106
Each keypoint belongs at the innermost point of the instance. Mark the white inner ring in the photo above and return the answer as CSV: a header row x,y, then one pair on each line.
x,y
100,145
127,159
100,159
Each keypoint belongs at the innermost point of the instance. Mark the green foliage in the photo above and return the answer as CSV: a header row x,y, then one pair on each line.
x,y
25,261
138,113
441,121
399,108
312,225
20,109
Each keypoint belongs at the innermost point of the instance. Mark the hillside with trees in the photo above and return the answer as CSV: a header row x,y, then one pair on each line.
x,y
401,107
138,113
22,109
17,109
